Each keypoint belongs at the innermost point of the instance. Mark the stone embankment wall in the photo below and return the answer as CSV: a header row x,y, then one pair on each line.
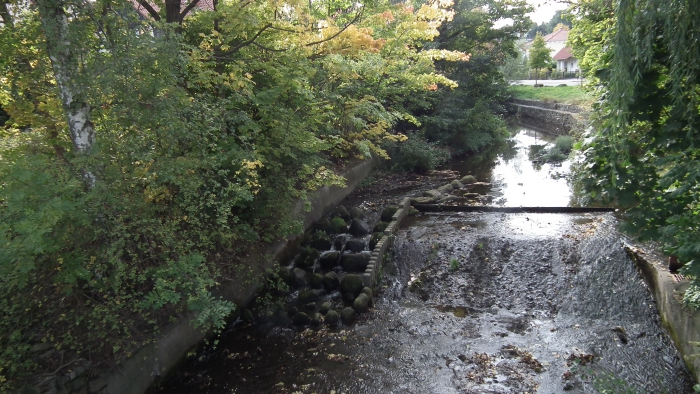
x,y
371,275
146,367
561,117
682,322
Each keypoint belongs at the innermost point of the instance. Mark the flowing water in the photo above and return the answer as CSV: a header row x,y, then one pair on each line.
x,y
474,303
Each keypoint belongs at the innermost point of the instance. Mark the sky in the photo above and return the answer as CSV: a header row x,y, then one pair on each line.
x,y
544,10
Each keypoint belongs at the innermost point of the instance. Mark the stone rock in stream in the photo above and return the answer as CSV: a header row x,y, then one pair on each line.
x,y
341,212
356,245
388,213
339,242
471,195
301,319
351,284
316,280
348,315
468,179
448,199
457,184
432,193
317,320
357,213
367,291
355,262
325,307
445,188
338,225
329,260
324,225
422,200
308,295
307,257
298,278
330,281
361,303
332,318
321,241
380,227
359,228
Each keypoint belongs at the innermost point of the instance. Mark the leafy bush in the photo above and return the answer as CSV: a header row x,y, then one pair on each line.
x,y
417,155
564,143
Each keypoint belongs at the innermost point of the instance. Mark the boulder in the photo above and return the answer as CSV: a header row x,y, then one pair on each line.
x,y
361,303
367,291
330,281
357,213
348,315
422,200
341,212
298,278
317,320
301,319
292,311
388,213
448,199
380,227
432,193
338,225
332,318
308,295
307,257
445,188
325,307
329,260
339,242
468,179
321,241
324,225
471,195
310,306
457,184
316,280
247,315
351,284
356,245
355,262
359,228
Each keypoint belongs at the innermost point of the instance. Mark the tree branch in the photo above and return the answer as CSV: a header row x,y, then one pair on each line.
x,y
188,8
246,43
5,15
357,17
152,12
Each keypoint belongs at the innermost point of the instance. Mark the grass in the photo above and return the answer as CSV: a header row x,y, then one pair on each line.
x,y
555,94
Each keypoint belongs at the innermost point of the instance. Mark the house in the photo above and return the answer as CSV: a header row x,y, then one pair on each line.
x,y
566,62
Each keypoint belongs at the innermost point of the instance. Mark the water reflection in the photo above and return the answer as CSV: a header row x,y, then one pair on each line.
x,y
516,178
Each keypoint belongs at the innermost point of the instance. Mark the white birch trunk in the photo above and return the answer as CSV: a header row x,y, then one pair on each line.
x,y
64,62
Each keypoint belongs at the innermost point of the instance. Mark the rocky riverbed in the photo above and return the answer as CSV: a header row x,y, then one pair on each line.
x,y
471,303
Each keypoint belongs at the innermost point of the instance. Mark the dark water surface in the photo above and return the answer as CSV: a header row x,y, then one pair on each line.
x,y
473,303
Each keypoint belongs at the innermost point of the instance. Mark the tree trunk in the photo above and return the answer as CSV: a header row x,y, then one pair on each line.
x,y
65,65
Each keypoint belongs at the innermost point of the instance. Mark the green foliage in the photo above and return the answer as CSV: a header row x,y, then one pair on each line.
x,y
454,264
644,156
564,143
417,155
539,56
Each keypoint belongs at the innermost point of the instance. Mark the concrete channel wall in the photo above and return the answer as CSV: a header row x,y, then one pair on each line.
x,y
682,322
371,275
146,367
561,117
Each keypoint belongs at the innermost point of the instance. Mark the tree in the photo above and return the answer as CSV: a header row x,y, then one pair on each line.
x,y
539,56
644,155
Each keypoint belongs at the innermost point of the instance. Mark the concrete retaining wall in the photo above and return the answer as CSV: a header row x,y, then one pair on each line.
x,y
371,275
560,118
682,323
146,367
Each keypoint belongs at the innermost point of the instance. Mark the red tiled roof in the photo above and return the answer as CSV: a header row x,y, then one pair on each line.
x,y
560,35
564,54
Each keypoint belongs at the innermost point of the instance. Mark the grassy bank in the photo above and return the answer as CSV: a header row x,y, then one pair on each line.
x,y
555,94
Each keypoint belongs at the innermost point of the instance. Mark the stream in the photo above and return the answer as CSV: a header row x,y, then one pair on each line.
x,y
472,302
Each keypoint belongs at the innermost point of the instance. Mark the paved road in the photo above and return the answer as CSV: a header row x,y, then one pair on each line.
x,y
548,82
